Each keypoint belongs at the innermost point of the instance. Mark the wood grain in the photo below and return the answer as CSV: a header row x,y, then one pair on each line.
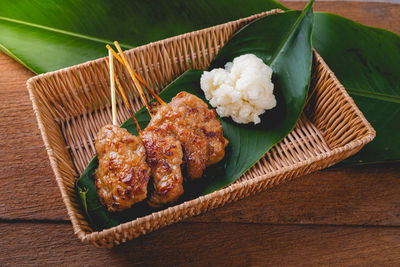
x,y
382,15
28,186
340,196
340,216
205,244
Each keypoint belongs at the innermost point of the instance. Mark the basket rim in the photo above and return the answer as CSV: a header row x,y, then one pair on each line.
x,y
94,236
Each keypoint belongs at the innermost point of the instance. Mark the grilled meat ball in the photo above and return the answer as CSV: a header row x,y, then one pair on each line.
x,y
122,176
164,156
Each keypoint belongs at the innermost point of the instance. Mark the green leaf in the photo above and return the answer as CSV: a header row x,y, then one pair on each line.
x,y
49,35
96,213
366,61
283,41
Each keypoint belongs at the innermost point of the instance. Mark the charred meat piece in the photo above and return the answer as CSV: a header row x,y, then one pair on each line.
x,y
196,127
203,122
164,156
122,176
195,151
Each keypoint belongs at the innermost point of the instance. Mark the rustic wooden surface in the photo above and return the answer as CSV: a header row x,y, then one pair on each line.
x,y
339,216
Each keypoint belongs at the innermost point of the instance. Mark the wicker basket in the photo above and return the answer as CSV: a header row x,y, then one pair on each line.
x,y
70,106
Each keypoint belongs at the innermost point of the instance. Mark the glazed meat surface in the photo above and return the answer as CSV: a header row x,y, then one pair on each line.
x,y
204,123
196,127
164,156
123,173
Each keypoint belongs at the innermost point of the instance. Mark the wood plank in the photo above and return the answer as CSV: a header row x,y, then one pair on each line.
x,y
205,244
28,186
29,191
382,15
341,196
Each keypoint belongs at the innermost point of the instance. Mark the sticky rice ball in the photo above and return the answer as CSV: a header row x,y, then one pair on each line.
x,y
242,91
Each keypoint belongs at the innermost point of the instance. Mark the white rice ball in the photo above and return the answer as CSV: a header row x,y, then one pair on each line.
x,y
243,90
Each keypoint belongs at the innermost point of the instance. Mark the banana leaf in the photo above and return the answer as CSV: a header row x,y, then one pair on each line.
x,y
49,35
283,41
366,61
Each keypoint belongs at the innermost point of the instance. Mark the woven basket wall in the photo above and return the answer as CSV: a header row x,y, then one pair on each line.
x,y
72,104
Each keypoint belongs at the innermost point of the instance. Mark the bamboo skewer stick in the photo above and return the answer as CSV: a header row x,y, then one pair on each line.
x,y
137,84
112,87
127,104
137,76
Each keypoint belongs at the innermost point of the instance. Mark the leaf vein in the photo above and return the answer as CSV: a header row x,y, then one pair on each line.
x,y
374,95
78,35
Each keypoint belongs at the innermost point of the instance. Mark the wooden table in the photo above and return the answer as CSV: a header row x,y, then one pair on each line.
x,y
339,216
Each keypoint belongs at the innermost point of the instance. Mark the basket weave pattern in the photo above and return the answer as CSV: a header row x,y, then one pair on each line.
x,y
71,105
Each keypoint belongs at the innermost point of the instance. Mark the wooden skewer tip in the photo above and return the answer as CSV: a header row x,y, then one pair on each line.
x,y
135,74
125,99
131,73
112,88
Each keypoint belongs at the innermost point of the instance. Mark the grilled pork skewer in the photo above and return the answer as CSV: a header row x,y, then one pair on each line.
x,y
199,131
197,128
123,173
